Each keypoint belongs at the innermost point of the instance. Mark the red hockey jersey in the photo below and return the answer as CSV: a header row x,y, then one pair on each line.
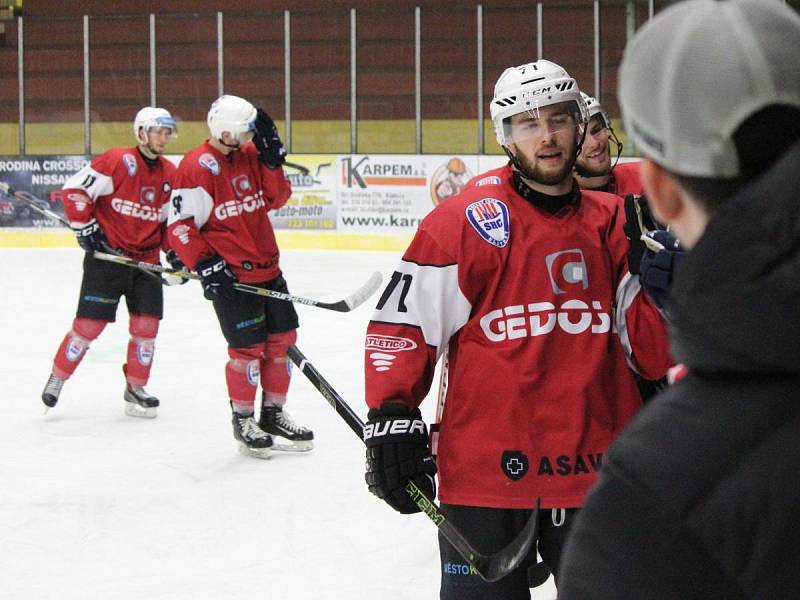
x,y
220,205
626,179
541,319
128,198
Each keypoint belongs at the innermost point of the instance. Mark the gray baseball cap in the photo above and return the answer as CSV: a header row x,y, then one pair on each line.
x,y
698,70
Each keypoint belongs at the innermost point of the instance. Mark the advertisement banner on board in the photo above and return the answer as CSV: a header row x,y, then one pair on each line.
x,y
393,193
40,179
312,204
351,193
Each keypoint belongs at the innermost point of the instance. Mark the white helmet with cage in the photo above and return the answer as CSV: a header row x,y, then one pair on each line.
x,y
232,114
153,117
531,86
595,108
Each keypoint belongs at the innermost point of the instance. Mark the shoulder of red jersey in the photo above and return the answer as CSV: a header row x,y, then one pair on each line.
x,y
489,178
628,179
126,159
197,165
482,210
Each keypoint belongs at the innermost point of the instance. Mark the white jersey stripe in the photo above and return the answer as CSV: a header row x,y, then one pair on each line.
x,y
427,297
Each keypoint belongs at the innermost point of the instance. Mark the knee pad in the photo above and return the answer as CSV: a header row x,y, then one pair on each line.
x,y
84,332
88,329
276,368
246,360
143,330
75,344
143,326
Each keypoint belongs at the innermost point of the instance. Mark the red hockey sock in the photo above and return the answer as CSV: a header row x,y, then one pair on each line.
x,y
275,366
75,344
143,330
241,375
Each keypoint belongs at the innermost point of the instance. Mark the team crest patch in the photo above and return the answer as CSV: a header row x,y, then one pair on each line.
x,y
74,350
147,194
490,219
253,372
241,185
130,164
144,353
490,180
209,163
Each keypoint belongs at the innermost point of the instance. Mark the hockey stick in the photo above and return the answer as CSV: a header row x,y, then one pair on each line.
x,y
301,168
346,305
46,212
490,567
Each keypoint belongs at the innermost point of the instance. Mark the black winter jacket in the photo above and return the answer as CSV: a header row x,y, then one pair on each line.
x,y
700,495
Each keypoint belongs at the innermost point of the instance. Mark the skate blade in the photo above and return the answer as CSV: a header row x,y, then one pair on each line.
x,y
134,410
283,445
262,453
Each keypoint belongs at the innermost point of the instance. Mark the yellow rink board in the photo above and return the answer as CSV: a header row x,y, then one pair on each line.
x,y
287,240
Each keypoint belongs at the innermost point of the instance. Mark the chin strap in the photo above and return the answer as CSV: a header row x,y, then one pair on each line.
x,y
517,164
619,147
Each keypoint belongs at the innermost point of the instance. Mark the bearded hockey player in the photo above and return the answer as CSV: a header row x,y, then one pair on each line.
x,y
593,168
219,226
115,205
523,278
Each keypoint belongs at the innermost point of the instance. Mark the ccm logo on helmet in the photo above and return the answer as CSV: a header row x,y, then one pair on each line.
x,y
540,318
397,426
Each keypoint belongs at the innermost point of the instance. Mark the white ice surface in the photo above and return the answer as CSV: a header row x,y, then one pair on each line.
x,y
97,505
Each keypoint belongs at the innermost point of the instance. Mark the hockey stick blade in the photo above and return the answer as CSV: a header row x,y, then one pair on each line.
x,y
355,299
491,567
301,168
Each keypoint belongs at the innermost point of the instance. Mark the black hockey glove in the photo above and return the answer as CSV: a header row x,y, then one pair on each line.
x,y
270,148
90,237
397,451
176,263
217,278
659,263
638,221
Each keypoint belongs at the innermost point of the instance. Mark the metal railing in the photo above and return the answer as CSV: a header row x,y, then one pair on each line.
x,y
603,15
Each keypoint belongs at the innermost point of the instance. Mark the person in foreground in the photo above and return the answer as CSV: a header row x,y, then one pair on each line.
x,y
523,279
699,496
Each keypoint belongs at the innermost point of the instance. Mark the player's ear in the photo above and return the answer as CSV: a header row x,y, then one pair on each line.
x,y
662,190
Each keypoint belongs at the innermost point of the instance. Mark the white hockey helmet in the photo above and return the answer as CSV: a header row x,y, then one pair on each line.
x,y
531,86
153,117
232,114
595,108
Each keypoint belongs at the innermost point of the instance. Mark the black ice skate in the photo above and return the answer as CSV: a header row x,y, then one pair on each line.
x,y
289,436
252,439
52,391
139,403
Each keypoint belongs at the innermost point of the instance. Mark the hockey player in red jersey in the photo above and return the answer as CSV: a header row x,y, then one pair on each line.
x,y
523,279
593,168
115,205
219,226
594,171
